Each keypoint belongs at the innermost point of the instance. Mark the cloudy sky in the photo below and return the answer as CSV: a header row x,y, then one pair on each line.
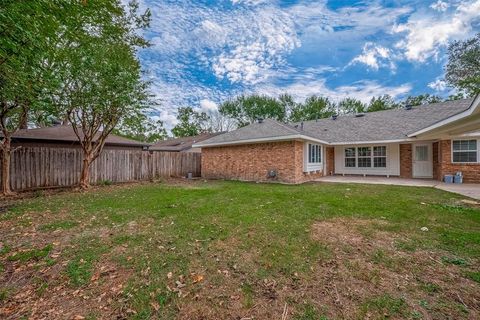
x,y
206,51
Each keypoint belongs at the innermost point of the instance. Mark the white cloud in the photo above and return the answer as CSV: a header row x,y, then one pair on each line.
x,y
249,2
374,56
425,35
440,5
207,106
438,85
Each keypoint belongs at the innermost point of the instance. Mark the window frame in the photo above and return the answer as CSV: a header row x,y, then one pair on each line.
x,y
477,151
354,157
318,154
369,151
372,157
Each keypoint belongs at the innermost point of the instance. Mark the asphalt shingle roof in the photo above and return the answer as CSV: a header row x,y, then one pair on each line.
x,y
384,125
65,133
181,144
392,124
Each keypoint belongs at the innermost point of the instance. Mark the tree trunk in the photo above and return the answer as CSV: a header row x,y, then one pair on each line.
x,y
6,156
85,176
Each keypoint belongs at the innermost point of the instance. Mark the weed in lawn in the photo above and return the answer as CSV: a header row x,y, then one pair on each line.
x,y
454,260
34,254
79,271
380,257
248,295
4,293
384,306
430,287
58,225
475,276
309,312
105,183
4,249
409,246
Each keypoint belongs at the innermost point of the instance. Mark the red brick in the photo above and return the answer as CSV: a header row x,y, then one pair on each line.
x,y
470,171
406,161
252,162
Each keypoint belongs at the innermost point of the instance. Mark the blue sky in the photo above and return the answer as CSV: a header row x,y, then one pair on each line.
x,y
206,51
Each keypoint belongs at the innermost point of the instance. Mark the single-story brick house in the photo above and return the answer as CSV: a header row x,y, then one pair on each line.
x,y
426,142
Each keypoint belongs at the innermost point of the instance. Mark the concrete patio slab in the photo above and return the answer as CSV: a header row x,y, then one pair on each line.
x,y
466,189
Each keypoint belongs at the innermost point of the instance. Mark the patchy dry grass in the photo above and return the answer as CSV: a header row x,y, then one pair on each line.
x,y
230,250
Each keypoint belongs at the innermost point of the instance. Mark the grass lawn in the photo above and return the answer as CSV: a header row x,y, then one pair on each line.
x,y
232,250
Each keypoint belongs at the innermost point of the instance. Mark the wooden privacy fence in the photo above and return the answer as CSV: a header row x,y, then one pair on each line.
x,y
43,167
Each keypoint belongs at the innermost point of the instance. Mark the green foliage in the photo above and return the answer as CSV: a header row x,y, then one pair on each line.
x,y
463,67
474,275
420,100
4,294
64,225
351,105
313,108
309,312
190,122
247,109
142,128
385,306
34,254
454,260
380,103
79,271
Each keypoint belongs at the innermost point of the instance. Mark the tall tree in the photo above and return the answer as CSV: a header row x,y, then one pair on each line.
x,y
351,105
217,122
190,122
384,102
28,30
313,108
463,67
247,109
99,72
142,128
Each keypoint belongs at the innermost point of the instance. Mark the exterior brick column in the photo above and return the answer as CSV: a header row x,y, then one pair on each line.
x,y
330,159
406,161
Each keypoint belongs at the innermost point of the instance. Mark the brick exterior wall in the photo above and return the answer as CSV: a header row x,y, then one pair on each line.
x,y
436,161
406,161
471,171
252,162
330,158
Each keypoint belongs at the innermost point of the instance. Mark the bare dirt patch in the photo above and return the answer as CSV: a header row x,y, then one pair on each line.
x,y
369,276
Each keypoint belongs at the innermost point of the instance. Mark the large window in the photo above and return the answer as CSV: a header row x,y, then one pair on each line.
x,y
366,157
464,151
350,158
314,153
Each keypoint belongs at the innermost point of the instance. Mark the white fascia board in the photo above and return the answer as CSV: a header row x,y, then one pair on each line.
x,y
473,107
258,140
372,142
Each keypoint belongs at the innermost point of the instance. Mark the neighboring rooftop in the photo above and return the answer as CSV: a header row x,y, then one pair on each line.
x,y
386,125
65,133
181,144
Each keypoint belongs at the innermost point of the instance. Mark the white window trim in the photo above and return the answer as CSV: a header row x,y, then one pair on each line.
x,y
313,166
372,167
464,139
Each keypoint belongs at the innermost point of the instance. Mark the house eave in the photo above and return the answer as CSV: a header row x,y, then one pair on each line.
x,y
459,116
260,140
